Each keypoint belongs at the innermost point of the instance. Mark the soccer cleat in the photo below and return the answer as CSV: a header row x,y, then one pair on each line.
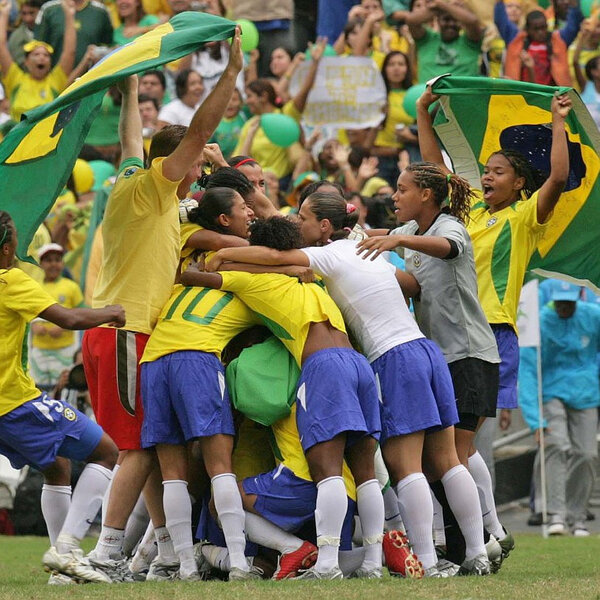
x,y
493,550
162,571
480,565
237,574
580,529
117,570
291,562
557,526
312,573
447,568
74,564
362,573
399,558
60,579
434,573
507,543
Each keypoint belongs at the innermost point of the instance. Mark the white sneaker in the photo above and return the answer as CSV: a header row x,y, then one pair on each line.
x,y
74,564
580,529
557,526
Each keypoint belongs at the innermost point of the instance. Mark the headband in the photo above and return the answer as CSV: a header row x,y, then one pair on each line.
x,y
243,162
33,44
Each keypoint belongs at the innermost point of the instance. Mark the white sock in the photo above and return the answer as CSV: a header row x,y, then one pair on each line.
x,y
263,532
164,545
146,551
136,526
393,520
228,503
86,500
107,493
350,560
439,533
178,514
416,509
330,512
110,543
55,500
483,480
369,502
463,500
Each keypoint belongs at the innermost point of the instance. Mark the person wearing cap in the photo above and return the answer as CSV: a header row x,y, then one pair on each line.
x,y
52,347
40,83
570,340
24,32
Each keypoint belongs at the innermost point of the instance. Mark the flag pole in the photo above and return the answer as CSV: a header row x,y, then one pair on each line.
x,y
542,443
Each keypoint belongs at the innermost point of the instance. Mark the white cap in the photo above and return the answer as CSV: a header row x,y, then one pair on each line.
x,y
50,248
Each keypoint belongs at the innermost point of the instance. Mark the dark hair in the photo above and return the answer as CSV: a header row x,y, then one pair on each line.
x,y
534,178
408,78
351,25
146,98
430,176
6,228
335,209
32,3
159,75
214,202
234,161
181,81
287,50
276,232
311,188
356,156
165,141
590,65
262,86
228,177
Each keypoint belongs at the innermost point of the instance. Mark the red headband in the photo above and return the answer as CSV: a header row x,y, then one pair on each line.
x,y
243,162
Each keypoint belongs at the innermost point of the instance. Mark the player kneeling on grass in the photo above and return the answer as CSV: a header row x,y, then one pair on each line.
x,y
35,429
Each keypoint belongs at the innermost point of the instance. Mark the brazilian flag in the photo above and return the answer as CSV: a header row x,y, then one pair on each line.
x,y
479,116
37,156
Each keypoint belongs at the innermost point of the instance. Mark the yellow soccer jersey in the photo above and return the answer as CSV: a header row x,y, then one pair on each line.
x,y
288,452
286,306
68,294
186,232
140,233
21,300
503,243
197,318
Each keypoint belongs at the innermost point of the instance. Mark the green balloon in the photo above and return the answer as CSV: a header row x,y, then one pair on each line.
x,y
410,99
329,51
544,3
280,129
249,35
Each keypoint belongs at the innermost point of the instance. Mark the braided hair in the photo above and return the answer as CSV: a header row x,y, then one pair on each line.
x,y
427,175
342,216
534,178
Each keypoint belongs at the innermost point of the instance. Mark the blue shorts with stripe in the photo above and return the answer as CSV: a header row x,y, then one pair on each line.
x,y
289,502
184,397
416,389
336,394
41,429
508,349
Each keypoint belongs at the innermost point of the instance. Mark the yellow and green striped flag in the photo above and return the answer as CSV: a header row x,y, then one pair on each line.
x,y
481,115
37,156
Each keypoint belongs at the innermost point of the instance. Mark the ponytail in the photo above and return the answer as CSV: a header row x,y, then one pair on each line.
x,y
342,216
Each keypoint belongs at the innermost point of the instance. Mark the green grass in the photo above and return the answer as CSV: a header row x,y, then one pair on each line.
x,y
552,569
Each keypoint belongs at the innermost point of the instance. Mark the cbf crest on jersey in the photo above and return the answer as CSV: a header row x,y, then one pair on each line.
x,y
480,116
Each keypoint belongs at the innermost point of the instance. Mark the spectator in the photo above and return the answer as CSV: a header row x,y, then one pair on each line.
x,y
41,83
537,55
154,84
134,22
24,32
357,39
92,22
190,91
450,50
586,48
570,335
148,108
230,127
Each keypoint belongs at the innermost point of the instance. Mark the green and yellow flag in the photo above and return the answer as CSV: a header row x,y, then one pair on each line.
x,y
480,116
37,156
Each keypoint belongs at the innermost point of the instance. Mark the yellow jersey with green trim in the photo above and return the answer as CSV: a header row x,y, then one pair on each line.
x,y
186,231
197,318
21,300
503,243
288,452
286,306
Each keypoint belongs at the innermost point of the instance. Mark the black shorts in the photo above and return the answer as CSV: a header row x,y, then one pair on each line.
x,y
475,386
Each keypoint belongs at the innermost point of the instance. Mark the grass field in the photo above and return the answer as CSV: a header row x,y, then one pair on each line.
x,y
552,569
